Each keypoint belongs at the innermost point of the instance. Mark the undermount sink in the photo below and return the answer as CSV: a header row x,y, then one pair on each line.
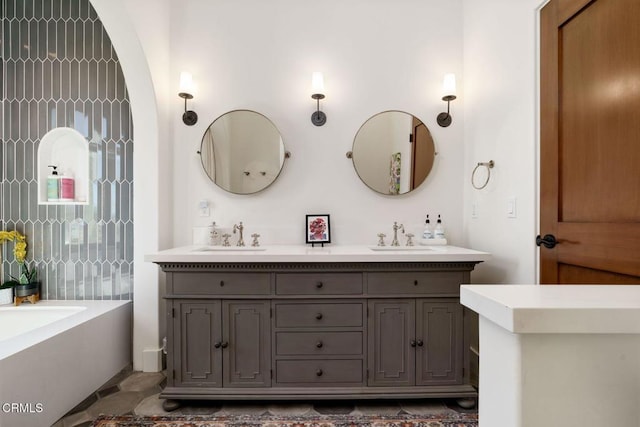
x,y
399,248
229,249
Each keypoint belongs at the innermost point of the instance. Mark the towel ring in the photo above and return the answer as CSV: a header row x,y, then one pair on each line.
x,y
489,165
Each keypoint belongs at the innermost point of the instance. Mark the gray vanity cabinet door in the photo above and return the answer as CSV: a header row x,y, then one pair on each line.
x,y
439,348
391,342
247,341
197,333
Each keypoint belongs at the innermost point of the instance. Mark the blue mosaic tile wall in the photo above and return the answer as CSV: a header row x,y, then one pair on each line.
x,y
60,70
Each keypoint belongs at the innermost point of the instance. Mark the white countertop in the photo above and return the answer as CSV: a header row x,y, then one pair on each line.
x,y
330,253
582,309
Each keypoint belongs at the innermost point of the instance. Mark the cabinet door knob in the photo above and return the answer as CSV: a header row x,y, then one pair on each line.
x,y
221,282
319,372
413,343
319,316
319,285
217,345
415,283
224,344
319,344
420,343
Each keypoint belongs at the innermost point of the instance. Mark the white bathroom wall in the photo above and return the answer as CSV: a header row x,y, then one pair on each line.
x,y
500,78
139,31
375,55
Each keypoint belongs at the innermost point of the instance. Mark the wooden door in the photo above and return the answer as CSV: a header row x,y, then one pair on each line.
x,y
590,141
438,342
422,153
391,342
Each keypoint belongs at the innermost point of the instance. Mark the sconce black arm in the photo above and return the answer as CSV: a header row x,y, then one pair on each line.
x,y
318,118
189,117
444,119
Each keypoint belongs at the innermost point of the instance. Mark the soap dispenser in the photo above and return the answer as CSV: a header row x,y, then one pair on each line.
x,y
53,185
439,230
214,235
427,233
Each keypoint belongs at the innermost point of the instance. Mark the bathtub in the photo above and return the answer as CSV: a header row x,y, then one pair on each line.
x,y
53,354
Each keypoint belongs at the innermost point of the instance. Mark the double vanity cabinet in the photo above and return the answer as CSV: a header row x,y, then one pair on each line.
x,y
311,323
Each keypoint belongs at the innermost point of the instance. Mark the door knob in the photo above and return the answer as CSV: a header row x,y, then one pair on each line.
x,y
319,344
218,344
413,343
319,316
548,241
224,344
319,372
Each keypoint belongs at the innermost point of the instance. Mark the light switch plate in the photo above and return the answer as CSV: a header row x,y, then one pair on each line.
x,y
511,208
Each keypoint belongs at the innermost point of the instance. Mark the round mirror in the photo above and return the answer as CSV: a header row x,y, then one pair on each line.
x,y
393,152
242,152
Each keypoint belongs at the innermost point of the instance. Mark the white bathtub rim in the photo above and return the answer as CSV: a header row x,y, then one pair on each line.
x,y
94,308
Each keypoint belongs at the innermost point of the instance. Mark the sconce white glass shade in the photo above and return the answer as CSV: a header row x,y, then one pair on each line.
x,y
317,83
449,86
186,83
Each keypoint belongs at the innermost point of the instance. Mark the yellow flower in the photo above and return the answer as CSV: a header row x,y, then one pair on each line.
x,y
20,247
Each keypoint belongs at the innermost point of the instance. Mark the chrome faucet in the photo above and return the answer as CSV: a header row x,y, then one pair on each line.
x,y
396,227
240,229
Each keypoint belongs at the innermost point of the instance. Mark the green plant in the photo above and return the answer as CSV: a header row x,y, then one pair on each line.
x,y
9,284
27,274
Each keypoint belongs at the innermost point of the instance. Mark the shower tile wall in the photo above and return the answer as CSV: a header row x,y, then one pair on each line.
x,y
60,70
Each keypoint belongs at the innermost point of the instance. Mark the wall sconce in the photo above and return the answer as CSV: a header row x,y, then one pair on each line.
x,y
189,117
317,85
449,94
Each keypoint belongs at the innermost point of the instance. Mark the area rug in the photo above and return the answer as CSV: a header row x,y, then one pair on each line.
x,y
439,420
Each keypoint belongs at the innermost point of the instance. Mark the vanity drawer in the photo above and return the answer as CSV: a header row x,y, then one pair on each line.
x,y
319,283
413,283
318,315
222,283
319,372
318,343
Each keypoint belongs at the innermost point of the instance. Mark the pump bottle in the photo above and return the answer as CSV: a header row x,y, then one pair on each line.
x,y
427,233
439,230
53,185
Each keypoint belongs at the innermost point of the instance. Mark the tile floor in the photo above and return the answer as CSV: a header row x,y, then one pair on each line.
x,y
136,393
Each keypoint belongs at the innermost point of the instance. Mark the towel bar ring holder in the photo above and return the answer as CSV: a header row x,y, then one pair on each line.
x,y
489,165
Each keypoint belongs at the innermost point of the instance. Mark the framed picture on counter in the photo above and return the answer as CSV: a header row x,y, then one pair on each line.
x,y
318,229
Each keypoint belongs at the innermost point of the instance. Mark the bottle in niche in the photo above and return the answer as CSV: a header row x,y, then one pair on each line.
x,y
427,233
53,185
439,230
67,188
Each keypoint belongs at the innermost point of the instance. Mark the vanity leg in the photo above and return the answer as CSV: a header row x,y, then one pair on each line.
x,y
171,405
466,403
